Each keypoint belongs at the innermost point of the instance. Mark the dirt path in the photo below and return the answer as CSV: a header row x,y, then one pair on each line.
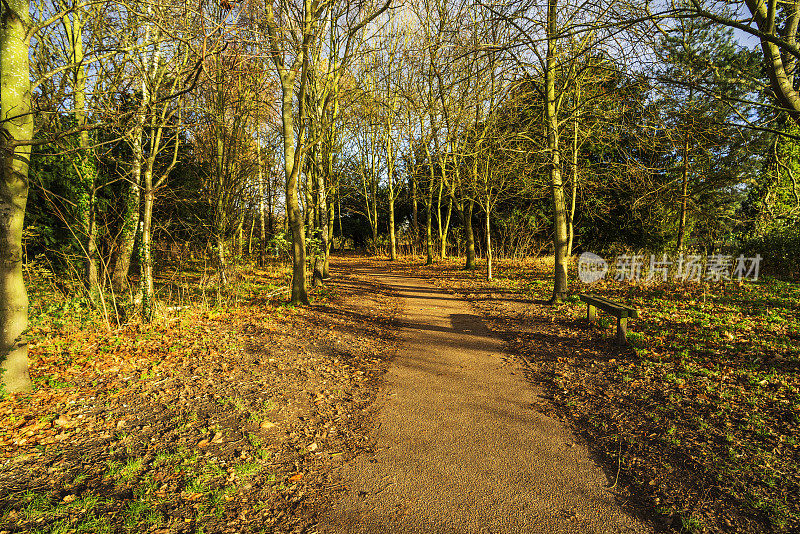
x,y
459,447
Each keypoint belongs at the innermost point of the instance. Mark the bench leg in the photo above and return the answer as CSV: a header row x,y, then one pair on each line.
x,y
622,330
591,313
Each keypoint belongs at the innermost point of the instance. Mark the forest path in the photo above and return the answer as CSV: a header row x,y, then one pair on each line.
x,y
459,447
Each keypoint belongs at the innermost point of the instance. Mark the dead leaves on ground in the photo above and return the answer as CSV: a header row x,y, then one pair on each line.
x,y
222,419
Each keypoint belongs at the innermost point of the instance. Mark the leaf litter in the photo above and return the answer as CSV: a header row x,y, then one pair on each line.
x,y
212,420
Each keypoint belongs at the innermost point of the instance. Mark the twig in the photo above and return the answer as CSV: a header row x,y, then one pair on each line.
x,y
278,292
619,463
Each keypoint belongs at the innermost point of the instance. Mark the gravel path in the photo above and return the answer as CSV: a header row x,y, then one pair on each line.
x,y
460,448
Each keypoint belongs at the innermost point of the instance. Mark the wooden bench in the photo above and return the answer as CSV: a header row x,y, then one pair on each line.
x,y
622,313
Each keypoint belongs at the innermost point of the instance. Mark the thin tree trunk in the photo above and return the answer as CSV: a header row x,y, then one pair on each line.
x,y
390,168
557,186
145,245
429,225
145,256
392,236
219,211
684,195
446,229
339,215
322,222
130,225
488,230
84,163
250,236
262,251
374,207
17,125
439,215
470,235
130,220
574,186
414,215
326,270
240,235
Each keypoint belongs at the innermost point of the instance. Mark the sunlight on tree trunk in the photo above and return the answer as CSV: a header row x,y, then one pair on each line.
x,y
556,184
293,214
17,126
488,229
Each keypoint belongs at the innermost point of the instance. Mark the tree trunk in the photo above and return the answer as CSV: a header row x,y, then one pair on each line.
x,y
130,220
392,236
557,186
470,235
439,216
250,236
390,169
446,229
270,212
262,251
339,216
326,270
574,187
322,223
145,247
488,230
414,215
374,208
684,195
130,224
219,209
429,225
240,235
83,163
294,218
145,254
17,125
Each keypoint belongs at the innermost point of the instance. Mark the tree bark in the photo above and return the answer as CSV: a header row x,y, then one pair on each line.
x,y
414,215
429,227
488,230
294,218
17,126
684,194
446,229
219,208
439,215
573,184
130,218
262,250
83,163
130,224
556,184
470,235
390,169
322,222
145,254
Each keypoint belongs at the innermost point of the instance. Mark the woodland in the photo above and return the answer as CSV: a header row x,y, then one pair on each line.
x,y
178,178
